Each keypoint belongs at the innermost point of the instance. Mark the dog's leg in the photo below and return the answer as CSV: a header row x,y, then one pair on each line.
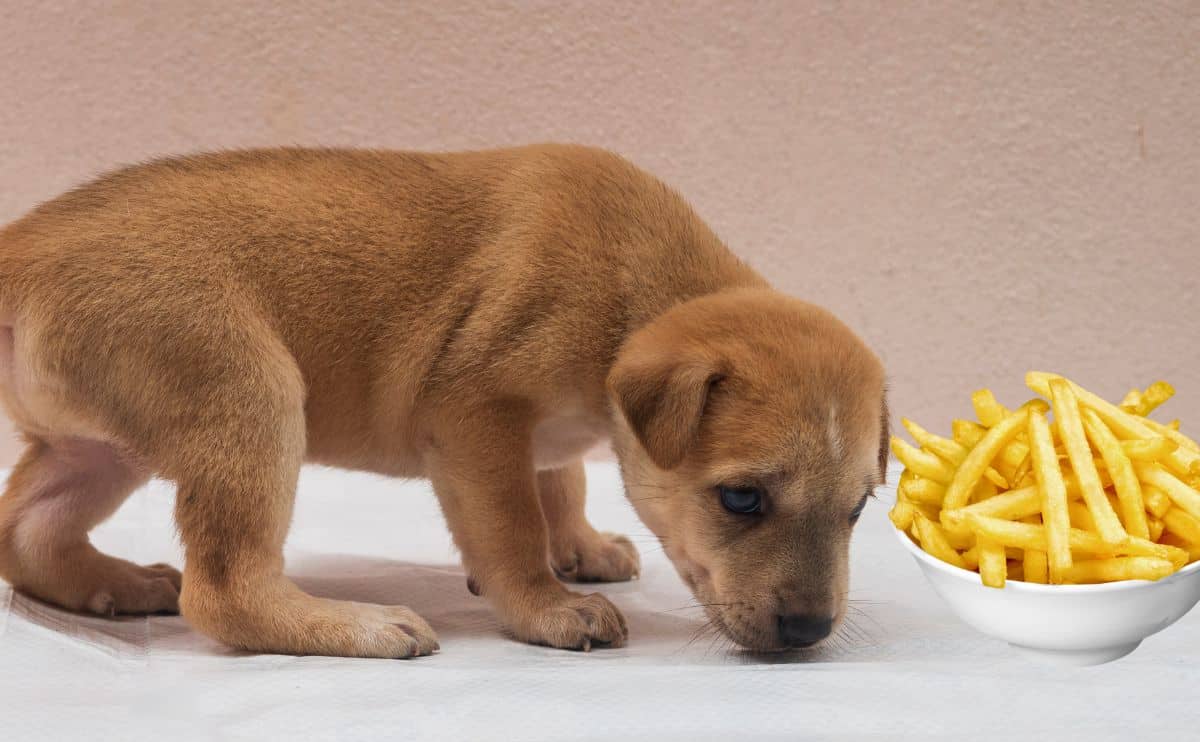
x,y
56,494
487,486
234,508
577,551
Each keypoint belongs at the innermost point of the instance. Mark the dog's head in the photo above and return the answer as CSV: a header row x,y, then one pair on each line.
x,y
751,427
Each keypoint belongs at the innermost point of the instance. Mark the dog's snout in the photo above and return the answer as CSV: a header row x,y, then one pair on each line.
x,y
804,630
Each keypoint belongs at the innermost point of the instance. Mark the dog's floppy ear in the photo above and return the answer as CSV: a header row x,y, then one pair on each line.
x,y
662,396
885,435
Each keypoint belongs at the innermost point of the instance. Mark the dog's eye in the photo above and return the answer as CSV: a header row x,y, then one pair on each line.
x,y
857,511
741,500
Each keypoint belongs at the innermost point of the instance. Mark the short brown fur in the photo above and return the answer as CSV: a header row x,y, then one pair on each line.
x,y
480,319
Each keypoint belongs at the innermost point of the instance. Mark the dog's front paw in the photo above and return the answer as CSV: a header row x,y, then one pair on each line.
x,y
574,621
596,557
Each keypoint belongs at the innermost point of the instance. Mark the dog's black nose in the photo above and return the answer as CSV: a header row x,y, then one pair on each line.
x,y
801,630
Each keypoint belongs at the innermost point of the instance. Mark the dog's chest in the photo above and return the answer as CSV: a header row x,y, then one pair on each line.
x,y
564,437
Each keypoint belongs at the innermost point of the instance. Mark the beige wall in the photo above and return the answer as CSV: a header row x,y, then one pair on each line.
x,y
979,188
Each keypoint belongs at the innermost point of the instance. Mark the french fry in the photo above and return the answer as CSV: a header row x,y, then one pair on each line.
x,y
1011,505
901,515
1171,433
1053,493
1032,538
1181,495
1154,396
951,451
1182,525
987,409
1119,568
970,558
972,468
1081,517
1143,403
1157,502
1132,401
1070,426
1129,490
993,565
966,432
1027,536
933,540
1156,528
922,462
994,477
1149,449
1035,566
918,489
1192,549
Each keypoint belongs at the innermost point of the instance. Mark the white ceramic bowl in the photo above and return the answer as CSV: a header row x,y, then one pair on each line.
x,y
1065,624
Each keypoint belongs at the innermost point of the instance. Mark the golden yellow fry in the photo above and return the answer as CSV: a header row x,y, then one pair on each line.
x,y
1070,426
901,515
993,565
1011,456
1132,401
951,451
1181,495
924,491
1157,502
984,490
1119,568
987,409
1173,554
966,432
1022,468
917,489
1156,528
1149,449
995,478
933,541
922,462
1035,404
1016,569
1035,566
1122,423
1171,433
1192,549
1154,396
1011,505
972,468
929,511
1027,536
1125,481
970,558
1081,517
1053,493
1182,525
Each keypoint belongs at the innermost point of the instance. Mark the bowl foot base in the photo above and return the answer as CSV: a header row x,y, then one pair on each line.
x,y
1077,657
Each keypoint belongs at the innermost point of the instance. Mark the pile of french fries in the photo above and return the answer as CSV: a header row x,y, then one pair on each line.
x,y
1062,490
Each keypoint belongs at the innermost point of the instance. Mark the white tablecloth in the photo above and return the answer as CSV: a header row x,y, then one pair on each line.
x,y
906,669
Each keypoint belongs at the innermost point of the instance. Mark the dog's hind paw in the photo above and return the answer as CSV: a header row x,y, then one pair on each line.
x,y
598,557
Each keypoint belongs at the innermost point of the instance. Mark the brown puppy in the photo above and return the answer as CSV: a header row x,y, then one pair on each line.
x,y
480,319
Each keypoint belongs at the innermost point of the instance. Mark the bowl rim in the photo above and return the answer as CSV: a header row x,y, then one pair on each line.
x,y
1030,587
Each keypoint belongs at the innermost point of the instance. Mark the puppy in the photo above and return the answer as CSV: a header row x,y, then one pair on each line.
x,y
480,319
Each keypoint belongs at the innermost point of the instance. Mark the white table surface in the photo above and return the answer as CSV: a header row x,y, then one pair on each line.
x,y
906,670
